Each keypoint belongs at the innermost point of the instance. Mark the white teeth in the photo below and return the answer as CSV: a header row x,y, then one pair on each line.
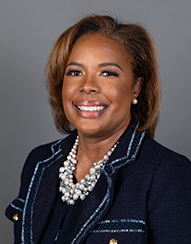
x,y
92,108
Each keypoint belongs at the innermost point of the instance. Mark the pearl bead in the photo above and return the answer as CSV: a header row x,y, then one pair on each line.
x,y
66,163
71,202
82,197
81,187
97,166
77,185
85,188
78,192
82,181
63,198
106,157
75,196
63,190
69,157
93,177
62,177
93,184
61,169
92,170
66,182
90,188
74,161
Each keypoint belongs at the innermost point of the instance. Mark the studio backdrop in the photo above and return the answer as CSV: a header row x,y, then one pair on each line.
x,y
28,30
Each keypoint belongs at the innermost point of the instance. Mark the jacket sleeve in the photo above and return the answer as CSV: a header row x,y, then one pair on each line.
x,y
15,208
169,202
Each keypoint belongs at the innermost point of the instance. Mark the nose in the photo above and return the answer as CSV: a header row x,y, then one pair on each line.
x,y
90,85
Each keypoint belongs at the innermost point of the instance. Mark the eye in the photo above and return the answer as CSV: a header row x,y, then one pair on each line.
x,y
109,73
73,73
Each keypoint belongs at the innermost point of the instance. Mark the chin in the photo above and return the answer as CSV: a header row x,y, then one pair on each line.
x,y
89,128
90,131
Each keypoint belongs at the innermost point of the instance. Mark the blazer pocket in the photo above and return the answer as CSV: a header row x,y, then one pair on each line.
x,y
120,225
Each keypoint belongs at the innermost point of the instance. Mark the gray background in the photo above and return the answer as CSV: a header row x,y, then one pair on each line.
x,y
28,30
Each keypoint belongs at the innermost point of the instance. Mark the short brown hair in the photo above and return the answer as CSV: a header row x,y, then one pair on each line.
x,y
140,49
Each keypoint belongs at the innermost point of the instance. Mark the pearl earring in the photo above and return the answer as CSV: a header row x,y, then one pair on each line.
x,y
134,101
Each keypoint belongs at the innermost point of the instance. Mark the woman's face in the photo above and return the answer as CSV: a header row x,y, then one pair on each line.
x,y
98,87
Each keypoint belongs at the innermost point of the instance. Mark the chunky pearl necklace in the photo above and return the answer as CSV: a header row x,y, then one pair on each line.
x,y
71,192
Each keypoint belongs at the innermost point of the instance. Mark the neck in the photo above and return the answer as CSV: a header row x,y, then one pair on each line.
x,y
92,150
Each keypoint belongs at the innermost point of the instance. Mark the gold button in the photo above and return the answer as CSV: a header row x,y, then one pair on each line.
x,y
16,217
113,241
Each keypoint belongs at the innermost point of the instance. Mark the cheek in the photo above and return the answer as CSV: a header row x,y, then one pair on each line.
x,y
120,94
67,92
66,98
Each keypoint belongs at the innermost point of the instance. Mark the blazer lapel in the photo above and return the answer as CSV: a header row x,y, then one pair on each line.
x,y
45,199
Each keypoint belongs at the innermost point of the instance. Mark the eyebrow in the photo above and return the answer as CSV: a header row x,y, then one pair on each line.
x,y
100,65
76,64
110,64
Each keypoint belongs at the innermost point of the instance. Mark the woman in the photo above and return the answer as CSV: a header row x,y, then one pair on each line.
x,y
108,181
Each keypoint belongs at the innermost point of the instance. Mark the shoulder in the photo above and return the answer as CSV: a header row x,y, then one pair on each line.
x,y
156,153
163,167
166,163
156,166
41,152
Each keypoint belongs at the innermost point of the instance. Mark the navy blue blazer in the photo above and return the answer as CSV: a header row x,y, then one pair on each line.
x,y
143,195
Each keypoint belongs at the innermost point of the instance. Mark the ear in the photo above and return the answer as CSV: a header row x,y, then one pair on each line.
x,y
137,87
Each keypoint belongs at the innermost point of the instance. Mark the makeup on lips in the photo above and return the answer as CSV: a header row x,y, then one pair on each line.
x,y
90,109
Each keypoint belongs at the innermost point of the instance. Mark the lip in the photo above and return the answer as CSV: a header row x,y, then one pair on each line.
x,y
90,114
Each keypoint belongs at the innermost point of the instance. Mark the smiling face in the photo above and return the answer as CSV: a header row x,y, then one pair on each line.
x,y
98,87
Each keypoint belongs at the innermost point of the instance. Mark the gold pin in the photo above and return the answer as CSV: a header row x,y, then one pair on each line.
x,y
113,241
16,217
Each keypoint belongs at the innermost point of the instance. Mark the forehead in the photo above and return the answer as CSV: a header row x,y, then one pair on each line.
x,y
98,45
